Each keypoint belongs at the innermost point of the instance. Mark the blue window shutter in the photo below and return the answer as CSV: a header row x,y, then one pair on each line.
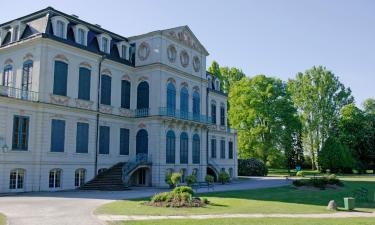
x,y
171,98
230,155
171,147
222,149
60,78
104,135
106,90
82,138
142,142
196,149
213,148
57,135
124,141
213,113
143,95
184,148
125,94
84,84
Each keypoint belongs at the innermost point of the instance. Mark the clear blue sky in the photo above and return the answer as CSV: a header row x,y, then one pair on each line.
x,y
276,38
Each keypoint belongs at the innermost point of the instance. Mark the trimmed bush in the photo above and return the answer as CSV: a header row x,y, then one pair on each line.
x,y
175,179
300,174
160,197
209,179
319,182
251,167
168,179
190,180
224,177
183,189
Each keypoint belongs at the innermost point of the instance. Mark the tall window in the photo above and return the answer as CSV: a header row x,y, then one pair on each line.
x,y
184,102
125,94
54,178
213,113
84,84
16,179
104,140
57,135
81,36
82,138
15,33
79,177
20,133
60,29
60,78
124,51
105,45
106,90
171,147
27,72
196,149
196,106
222,115
230,149
171,99
8,79
184,148
222,149
213,148
124,141
143,95
142,142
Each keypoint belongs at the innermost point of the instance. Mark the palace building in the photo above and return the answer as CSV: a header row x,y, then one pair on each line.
x,y
81,106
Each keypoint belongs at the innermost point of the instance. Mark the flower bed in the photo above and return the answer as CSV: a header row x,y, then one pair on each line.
x,y
319,182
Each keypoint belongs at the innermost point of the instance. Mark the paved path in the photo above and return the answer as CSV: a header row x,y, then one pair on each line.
x,y
219,216
76,207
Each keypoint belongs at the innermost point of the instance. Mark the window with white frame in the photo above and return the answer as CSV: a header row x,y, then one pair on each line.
x,y
124,49
79,177
81,36
16,179
15,33
60,29
55,178
105,45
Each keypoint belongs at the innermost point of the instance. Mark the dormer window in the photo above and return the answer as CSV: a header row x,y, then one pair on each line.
x,y
123,49
105,44
15,33
217,85
59,25
80,34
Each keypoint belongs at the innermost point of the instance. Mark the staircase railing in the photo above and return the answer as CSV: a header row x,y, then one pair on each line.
x,y
138,160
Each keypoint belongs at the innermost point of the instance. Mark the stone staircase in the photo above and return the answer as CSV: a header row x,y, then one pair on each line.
x,y
109,180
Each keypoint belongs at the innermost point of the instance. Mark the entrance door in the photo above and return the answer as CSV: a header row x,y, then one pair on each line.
x,y
142,176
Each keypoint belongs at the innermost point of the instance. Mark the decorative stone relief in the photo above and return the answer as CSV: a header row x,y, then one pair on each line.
x,y
185,38
172,53
60,100
106,109
125,112
196,64
184,58
83,104
143,51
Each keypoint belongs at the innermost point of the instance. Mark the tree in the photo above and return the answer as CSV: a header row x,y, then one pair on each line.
x,y
263,113
214,69
230,76
369,106
319,96
295,156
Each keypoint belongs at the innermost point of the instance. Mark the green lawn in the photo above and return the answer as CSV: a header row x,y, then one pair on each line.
x,y
2,219
263,221
271,200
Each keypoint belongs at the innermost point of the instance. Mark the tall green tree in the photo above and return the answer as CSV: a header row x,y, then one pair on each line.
x,y
230,76
215,69
262,111
319,96
369,105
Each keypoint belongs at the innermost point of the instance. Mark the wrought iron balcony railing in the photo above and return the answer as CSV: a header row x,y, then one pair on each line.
x,y
141,112
12,92
165,111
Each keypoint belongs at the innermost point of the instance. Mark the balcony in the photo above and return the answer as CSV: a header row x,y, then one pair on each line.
x,y
12,92
164,111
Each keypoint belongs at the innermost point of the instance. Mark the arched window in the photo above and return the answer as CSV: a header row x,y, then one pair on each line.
x,y
79,177
55,178
142,142
125,94
184,102
16,179
143,95
8,78
60,78
196,149
184,148
196,106
26,82
171,147
171,99
105,92
84,84
60,29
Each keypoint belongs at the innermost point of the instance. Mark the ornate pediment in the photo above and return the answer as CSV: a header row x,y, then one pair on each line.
x,y
186,37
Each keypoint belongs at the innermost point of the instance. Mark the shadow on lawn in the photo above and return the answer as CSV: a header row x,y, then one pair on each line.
x,y
290,194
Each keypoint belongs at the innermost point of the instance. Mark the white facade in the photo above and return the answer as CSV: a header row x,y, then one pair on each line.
x,y
158,58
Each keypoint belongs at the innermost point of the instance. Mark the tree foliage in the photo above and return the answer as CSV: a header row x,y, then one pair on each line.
x,y
227,75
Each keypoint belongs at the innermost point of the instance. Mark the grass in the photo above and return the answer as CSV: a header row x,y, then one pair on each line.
x,y
284,172
262,221
2,219
270,200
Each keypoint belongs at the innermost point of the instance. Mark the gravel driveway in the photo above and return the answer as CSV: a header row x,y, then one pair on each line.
x,y
76,207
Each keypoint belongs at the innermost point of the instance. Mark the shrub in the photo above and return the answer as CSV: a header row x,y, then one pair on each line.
x,y
168,180
191,179
300,174
319,182
251,167
209,179
183,189
298,183
333,180
160,197
175,179
205,201
224,177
